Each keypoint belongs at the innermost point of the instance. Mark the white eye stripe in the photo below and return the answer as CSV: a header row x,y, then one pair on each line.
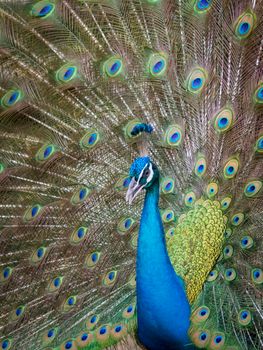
x,y
141,173
136,184
135,188
149,178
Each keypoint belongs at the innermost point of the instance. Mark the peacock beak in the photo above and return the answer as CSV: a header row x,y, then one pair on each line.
x,y
134,189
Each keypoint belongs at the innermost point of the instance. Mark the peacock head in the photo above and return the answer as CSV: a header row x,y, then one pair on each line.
x,y
143,173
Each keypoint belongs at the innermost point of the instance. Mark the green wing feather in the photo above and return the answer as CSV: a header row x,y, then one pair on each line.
x,y
75,77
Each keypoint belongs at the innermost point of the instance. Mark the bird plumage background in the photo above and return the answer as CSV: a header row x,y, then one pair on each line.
x,y
75,78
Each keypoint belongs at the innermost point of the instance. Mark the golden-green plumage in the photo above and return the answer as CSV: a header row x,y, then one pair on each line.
x,y
196,244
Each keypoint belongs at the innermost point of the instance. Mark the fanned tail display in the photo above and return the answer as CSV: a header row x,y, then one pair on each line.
x,y
88,86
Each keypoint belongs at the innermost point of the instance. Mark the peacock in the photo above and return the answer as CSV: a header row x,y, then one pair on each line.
x,y
131,173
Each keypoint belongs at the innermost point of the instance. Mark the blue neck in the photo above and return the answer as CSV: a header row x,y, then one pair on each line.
x,y
162,306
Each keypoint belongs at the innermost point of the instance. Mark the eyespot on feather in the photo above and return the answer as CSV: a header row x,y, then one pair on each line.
x,y
252,188
201,314
244,25
173,136
46,152
190,199
217,341
90,139
228,251
170,232
231,168
230,274
225,203
5,274
84,339
237,219
118,331
125,225
11,97
32,213
112,67
257,276
223,120
92,259
92,321
6,343
78,235
201,337
167,185
246,242
17,313
129,311
69,344
202,6
200,166
55,284
49,335
196,80
43,9
69,303
109,278
66,73
258,95
123,183
212,189
157,64
80,195
102,334
259,145
212,276
168,215
38,255
244,317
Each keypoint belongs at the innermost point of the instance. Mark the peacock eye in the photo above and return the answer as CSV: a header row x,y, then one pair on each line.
x,y
147,173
